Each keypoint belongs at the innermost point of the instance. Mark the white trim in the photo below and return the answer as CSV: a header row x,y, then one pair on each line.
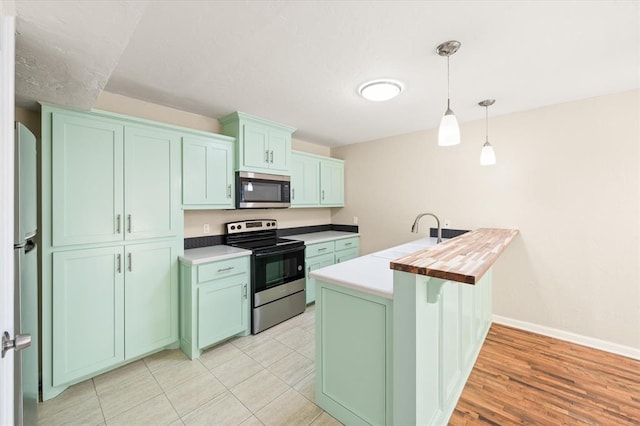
x,y
579,339
7,110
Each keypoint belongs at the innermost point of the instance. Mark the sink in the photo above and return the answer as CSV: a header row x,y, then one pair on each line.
x,y
392,254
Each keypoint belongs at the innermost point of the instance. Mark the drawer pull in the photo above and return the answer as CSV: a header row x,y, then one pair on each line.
x,y
225,269
347,244
322,249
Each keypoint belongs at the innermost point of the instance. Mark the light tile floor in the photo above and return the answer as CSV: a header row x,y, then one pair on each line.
x,y
266,379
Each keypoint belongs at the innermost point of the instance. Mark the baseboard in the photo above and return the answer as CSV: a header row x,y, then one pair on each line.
x,y
579,339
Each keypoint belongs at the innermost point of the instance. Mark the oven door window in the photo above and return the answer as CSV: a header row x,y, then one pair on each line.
x,y
274,269
261,190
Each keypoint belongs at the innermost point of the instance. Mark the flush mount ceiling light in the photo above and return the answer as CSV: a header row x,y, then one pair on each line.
x,y
449,131
380,90
487,155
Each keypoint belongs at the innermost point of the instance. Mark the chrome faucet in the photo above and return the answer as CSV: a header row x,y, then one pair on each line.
x,y
414,228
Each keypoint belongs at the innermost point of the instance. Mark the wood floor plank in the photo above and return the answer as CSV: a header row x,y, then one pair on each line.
x,y
526,378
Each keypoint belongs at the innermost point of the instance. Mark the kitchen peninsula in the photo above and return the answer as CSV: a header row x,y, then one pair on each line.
x,y
398,331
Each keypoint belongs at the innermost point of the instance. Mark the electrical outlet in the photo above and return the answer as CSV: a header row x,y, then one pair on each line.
x,y
447,224
355,220
207,228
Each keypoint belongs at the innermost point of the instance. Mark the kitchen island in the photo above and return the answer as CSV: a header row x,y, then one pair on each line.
x,y
396,336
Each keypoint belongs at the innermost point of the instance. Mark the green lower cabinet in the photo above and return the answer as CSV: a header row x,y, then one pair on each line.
x,y
88,312
314,263
214,303
320,255
110,305
222,310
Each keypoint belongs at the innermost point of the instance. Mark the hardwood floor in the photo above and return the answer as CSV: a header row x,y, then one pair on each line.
x,y
526,378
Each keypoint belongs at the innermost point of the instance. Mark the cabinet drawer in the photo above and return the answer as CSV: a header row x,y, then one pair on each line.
x,y
221,269
347,243
318,249
344,255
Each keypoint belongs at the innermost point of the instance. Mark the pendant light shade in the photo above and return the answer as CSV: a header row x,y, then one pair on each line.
x,y
487,155
449,131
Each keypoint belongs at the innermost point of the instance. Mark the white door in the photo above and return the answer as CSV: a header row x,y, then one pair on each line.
x,y
7,67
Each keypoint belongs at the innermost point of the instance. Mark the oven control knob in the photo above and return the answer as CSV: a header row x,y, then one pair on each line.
x,y
239,226
268,223
273,224
233,227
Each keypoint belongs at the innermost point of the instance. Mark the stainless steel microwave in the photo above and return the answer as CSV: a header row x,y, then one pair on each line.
x,y
262,191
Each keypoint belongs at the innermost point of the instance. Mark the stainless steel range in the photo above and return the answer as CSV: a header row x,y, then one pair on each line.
x,y
277,271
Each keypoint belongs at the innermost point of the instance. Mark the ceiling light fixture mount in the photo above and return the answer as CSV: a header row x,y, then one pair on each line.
x,y
381,89
487,155
449,131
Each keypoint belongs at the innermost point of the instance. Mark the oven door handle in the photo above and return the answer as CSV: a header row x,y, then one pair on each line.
x,y
278,252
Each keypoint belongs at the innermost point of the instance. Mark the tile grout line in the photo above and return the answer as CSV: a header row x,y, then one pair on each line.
x,y
104,418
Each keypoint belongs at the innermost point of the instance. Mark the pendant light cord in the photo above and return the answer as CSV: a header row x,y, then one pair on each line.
x,y
448,77
486,108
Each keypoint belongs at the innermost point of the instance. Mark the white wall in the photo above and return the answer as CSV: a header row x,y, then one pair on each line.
x,y
567,177
194,220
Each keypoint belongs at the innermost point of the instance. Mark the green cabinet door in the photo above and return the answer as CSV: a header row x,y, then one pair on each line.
x,y
87,312
87,190
332,183
313,264
263,146
152,183
256,146
223,308
305,184
151,297
207,173
279,151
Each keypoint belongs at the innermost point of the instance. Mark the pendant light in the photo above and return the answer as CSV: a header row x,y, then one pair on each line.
x,y
449,131
487,155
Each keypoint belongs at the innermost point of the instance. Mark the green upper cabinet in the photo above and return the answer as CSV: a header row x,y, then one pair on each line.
x,y
316,181
207,172
263,146
332,183
151,172
87,179
112,182
305,180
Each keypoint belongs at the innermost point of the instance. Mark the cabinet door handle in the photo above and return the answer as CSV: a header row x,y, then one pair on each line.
x,y
118,223
244,291
323,194
308,271
229,191
129,223
119,257
293,193
225,269
266,156
271,157
130,264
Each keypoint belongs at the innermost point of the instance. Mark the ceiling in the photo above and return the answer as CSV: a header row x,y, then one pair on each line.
x,y
300,62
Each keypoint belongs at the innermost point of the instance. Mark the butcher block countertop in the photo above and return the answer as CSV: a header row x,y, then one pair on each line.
x,y
463,259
